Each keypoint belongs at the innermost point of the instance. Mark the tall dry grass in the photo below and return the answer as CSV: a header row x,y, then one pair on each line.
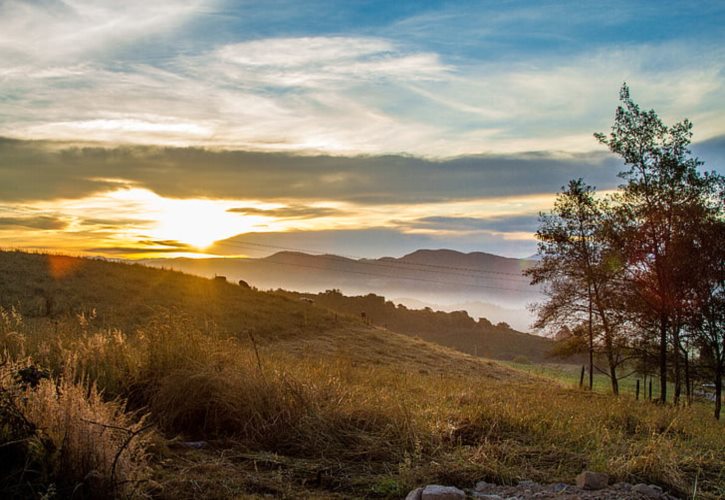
x,y
63,433
387,429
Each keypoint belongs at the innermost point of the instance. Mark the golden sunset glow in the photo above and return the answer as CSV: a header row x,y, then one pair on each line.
x,y
138,223
195,222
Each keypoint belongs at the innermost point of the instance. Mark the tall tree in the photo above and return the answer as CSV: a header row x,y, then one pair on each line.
x,y
702,268
579,278
662,183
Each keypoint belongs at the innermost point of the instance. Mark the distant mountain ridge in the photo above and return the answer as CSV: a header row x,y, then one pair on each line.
x,y
436,277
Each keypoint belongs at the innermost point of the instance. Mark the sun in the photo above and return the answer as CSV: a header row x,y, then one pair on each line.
x,y
194,222
198,223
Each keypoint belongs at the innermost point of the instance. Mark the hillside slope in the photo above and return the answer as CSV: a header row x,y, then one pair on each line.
x,y
50,288
454,329
310,405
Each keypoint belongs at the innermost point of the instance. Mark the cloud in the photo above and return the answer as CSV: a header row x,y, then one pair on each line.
x,y
33,170
317,62
42,222
515,223
289,212
55,32
712,152
367,243
149,73
133,250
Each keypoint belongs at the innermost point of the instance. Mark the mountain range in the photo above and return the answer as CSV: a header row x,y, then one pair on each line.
x,y
480,283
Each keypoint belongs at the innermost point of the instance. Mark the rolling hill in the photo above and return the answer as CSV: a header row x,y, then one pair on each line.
x,y
48,289
454,329
436,277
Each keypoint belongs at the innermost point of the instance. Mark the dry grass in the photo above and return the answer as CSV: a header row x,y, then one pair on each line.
x,y
315,415
337,412
71,438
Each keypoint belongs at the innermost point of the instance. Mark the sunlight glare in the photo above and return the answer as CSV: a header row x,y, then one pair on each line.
x,y
195,222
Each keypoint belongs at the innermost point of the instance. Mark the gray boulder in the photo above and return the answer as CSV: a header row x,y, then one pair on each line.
x,y
437,492
648,490
415,494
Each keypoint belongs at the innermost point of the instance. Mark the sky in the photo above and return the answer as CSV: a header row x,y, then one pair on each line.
x,y
364,128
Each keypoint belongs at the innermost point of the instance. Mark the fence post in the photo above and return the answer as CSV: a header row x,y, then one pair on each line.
x,y
581,378
637,390
650,389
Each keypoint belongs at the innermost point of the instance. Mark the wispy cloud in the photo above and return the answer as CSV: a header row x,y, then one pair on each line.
x,y
387,91
42,222
65,31
527,223
290,211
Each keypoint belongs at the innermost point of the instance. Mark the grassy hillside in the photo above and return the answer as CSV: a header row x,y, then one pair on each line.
x,y
104,405
456,329
128,296
49,290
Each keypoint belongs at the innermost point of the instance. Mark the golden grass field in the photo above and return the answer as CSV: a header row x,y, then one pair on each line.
x,y
290,400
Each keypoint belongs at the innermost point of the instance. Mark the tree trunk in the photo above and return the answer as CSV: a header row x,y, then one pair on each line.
x,y
688,384
613,375
676,364
591,343
663,358
718,392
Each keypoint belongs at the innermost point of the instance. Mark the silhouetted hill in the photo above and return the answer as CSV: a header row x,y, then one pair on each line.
x,y
454,329
438,277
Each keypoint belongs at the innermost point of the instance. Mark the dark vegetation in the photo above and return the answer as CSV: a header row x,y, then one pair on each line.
x,y
456,329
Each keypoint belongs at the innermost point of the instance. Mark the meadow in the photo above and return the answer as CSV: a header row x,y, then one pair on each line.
x,y
183,403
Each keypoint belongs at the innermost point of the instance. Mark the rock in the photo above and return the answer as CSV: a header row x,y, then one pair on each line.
x,y
486,496
483,486
437,492
589,480
415,494
559,487
648,490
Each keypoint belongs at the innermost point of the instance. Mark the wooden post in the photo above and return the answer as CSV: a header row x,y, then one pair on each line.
x,y
581,378
650,389
637,390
